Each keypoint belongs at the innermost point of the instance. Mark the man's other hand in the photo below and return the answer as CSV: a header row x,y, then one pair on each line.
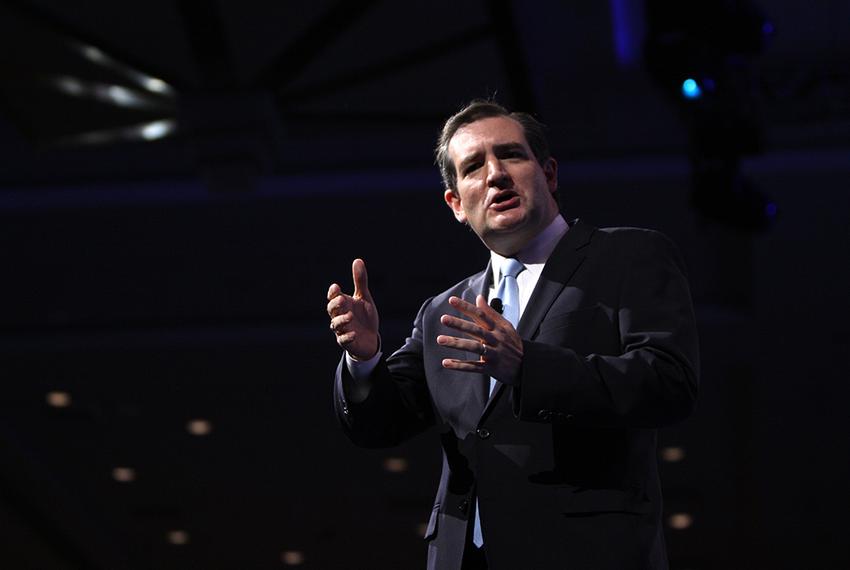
x,y
354,318
488,334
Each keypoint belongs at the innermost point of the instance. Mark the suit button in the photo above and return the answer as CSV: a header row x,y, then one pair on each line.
x,y
463,506
483,433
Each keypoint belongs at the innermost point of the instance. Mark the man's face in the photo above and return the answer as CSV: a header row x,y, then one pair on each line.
x,y
504,194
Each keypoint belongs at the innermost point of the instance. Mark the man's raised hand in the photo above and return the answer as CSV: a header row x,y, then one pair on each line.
x,y
354,318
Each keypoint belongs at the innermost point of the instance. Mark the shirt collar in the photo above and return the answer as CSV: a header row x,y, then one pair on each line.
x,y
537,251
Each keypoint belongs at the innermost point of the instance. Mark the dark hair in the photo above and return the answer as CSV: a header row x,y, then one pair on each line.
x,y
535,134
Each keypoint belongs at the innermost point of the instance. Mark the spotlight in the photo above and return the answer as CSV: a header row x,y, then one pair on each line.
x,y
710,77
691,89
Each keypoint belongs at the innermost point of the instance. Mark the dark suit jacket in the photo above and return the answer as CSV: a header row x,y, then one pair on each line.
x,y
564,464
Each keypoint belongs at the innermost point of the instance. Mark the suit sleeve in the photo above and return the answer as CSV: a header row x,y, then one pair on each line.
x,y
654,379
394,405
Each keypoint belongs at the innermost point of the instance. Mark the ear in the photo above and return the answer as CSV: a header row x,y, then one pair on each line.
x,y
453,202
550,170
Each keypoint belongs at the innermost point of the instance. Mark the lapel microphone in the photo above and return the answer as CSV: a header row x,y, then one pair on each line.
x,y
496,305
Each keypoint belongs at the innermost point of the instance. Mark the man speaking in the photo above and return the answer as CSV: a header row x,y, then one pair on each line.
x,y
550,370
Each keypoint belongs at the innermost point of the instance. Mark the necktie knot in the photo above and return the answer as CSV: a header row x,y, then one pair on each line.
x,y
508,289
511,267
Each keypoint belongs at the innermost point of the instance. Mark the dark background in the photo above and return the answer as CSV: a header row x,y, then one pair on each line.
x,y
154,281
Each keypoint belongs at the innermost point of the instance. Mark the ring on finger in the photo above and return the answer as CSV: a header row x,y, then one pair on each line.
x,y
483,350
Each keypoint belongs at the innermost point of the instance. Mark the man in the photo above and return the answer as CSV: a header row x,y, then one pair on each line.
x,y
550,423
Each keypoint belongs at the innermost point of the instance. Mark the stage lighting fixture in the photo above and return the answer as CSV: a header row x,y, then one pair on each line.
x,y
155,85
691,89
157,129
93,54
700,54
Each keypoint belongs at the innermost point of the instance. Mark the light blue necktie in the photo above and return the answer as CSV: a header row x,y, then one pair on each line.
x,y
508,293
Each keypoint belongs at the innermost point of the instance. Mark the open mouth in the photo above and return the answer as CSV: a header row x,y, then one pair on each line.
x,y
504,200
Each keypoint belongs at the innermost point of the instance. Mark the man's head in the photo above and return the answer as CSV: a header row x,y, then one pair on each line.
x,y
499,176
535,134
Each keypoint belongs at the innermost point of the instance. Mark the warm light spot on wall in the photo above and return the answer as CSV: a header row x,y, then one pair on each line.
x,y
58,399
672,454
199,427
680,521
395,464
178,537
292,557
124,474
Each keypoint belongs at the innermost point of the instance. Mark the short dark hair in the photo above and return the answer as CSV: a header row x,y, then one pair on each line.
x,y
477,109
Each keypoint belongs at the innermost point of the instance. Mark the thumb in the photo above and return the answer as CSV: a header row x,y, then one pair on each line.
x,y
361,280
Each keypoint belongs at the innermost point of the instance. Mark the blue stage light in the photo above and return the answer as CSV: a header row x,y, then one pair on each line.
x,y
691,89
771,209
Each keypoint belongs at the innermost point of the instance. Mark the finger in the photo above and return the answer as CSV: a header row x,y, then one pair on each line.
x,y
464,365
339,324
469,328
474,312
339,304
489,312
361,280
333,291
345,339
466,344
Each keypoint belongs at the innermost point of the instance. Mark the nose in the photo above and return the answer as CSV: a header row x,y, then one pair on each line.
x,y
497,176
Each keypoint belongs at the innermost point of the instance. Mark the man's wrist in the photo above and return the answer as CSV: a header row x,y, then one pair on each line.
x,y
359,369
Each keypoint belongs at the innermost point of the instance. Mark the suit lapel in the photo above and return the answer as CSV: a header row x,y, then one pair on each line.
x,y
562,264
560,267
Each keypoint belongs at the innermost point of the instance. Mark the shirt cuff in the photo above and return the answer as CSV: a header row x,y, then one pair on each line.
x,y
360,370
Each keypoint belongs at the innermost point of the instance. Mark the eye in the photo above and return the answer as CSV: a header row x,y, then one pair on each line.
x,y
470,168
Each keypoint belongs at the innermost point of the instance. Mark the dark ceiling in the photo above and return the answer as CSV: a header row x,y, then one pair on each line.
x,y
183,179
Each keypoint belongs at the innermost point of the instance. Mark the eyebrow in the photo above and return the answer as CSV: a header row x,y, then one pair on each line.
x,y
499,149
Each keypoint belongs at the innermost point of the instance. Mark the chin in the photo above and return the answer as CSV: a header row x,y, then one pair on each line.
x,y
513,223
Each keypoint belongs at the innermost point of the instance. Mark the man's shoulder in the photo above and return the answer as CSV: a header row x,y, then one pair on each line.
x,y
630,232
474,284
630,245
629,237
